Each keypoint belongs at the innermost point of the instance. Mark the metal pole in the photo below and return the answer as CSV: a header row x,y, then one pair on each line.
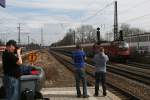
x,y
74,37
82,38
41,36
28,40
138,43
19,40
115,21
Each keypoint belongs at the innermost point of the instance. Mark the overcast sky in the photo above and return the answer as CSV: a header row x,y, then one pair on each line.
x,y
56,16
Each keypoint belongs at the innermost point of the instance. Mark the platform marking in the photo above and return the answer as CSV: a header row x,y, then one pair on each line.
x,y
47,92
58,92
91,96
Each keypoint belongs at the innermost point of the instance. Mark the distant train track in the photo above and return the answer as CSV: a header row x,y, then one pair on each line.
x,y
139,65
131,72
120,92
137,74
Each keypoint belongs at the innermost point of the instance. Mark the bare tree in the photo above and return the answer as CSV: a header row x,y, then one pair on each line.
x,y
131,31
86,34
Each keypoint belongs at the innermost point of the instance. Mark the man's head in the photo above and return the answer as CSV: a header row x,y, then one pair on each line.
x,y
11,45
78,46
101,50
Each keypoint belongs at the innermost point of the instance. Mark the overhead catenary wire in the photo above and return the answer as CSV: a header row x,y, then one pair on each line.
x,y
96,13
88,6
136,18
91,3
134,6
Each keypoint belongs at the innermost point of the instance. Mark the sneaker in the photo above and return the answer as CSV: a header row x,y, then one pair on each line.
x,y
85,96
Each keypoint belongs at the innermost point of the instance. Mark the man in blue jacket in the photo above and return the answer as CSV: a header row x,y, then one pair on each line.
x,y
79,63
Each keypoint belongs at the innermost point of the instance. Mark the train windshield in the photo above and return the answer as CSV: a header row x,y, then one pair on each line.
x,y
123,45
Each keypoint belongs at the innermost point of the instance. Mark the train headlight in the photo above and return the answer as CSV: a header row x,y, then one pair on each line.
x,y
124,45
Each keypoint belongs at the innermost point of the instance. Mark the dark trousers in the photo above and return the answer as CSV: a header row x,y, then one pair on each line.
x,y
100,77
80,75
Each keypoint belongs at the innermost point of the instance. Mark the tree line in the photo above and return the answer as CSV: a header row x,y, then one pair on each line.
x,y
87,34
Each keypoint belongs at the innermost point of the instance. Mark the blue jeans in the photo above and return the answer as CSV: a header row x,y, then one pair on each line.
x,y
80,75
11,86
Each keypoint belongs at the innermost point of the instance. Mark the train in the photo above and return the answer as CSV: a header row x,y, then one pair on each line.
x,y
2,48
116,50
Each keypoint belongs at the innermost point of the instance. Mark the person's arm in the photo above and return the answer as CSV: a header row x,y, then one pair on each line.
x,y
106,58
94,59
84,55
72,56
19,62
85,58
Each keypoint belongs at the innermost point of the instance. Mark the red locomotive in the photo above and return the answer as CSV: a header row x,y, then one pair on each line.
x,y
115,49
118,49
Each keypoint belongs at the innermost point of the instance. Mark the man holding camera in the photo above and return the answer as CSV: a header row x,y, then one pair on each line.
x,y
100,60
11,60
79,63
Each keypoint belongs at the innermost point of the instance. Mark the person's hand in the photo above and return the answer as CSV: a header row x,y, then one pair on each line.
x,y
82,49
19,51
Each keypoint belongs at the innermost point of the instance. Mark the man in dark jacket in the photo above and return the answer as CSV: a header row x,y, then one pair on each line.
x,y
11,60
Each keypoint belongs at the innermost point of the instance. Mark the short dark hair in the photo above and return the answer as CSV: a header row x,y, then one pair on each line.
x,y
101,49
11,42
78,46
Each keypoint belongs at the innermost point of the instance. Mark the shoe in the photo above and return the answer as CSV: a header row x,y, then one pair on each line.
x,y
104,93
78,96
85,96
96,95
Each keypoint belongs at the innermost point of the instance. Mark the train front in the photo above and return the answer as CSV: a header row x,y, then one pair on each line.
x,y
123,50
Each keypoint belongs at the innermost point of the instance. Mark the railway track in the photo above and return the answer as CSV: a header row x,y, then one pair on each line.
x,y
115,89
138,74
139,65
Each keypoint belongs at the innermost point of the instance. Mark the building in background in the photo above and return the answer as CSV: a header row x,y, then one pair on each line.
x,y
139,42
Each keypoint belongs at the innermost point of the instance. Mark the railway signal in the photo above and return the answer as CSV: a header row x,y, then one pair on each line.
x,y
121,35
98,34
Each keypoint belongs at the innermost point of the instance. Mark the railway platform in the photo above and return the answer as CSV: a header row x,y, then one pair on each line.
x,y
69,93
60,82
62,89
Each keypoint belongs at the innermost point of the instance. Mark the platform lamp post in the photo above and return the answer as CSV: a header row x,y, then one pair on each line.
x,y
98,35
